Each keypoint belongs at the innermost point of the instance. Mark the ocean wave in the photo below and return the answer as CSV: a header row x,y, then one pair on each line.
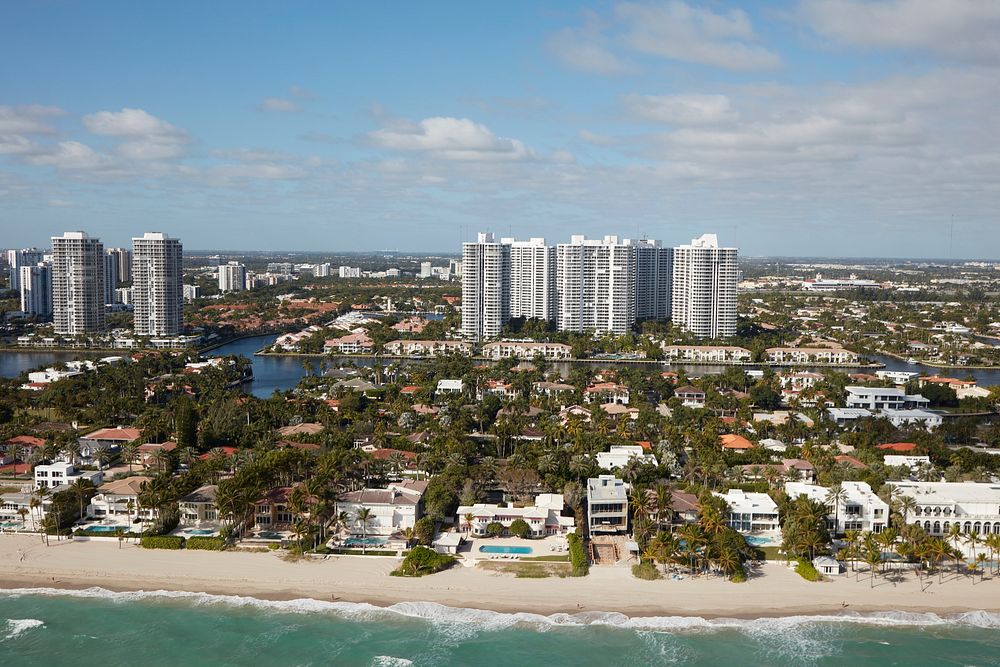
x,y
18,626
390,661
471,620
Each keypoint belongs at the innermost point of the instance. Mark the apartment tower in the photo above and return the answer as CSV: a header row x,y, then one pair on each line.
x,y
157,287
77,283
704,288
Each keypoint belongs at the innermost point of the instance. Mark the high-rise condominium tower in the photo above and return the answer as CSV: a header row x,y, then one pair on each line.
x,y
232,277
77,283
485,287
652,280
704,288
123,260
18,258
532,279
595,283
157,288
36,290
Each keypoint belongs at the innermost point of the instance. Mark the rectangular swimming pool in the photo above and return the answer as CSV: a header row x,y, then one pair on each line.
x,y
494,549
106,529
365,542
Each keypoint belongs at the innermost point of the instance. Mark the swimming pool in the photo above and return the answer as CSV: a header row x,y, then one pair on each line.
x,y
365,542
105,529
198,531
494,549
270,535
756,541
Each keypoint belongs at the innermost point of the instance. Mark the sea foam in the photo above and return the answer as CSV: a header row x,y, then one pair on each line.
x,y
473,620
18,626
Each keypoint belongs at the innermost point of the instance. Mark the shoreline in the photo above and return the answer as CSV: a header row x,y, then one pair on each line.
x,y
775,592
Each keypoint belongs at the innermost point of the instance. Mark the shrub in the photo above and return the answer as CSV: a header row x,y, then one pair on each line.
x,y
577,556
494,529
739,576
205,543
423,530
161,542
646,571
519,528
807,571
421,561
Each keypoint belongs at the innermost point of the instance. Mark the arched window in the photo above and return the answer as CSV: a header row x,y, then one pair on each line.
x,y
937,527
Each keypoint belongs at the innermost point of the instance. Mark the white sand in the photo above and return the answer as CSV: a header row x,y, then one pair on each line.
x,y
778,591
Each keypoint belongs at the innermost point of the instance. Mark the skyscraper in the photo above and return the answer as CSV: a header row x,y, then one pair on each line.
x,y
532,279
36,290
485,287
111,278
652,280
123,259
157,288
18,258
704,288
232,277
77,283
595,285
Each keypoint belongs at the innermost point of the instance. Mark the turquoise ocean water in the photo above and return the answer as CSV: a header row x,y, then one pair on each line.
x,y
96,627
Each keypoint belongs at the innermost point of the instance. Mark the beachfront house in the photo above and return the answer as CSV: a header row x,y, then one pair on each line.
x,y
544,517
751,513
607,504
392,510
975,507
198,507
271,511
120,500
618,456
858,507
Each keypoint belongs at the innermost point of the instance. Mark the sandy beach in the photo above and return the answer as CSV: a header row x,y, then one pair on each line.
x,y
776,592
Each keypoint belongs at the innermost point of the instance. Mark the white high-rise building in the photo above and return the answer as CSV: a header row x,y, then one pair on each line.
x,y
232,277
532,279
192,292
485,287
18,258
157,287
426,270
321,270
595,285
653,277
704,288
36,290
77,283
349,272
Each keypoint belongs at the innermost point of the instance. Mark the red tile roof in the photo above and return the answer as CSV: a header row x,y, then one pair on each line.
x,y
898,446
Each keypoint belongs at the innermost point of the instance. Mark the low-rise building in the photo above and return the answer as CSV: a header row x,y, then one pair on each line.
x,y
58,473
510,349
940,505
120,499
811,355
606,392
428,348
924,418
707,353
450,387
552,388
198,507
110,439
392,510
358,342
271,511
911,462
690,396
504,390
544,517
607,505
844,416
881,398
857,507
619,456
750,513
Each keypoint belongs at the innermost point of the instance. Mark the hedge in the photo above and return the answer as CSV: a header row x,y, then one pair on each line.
x,y
646,571
205,543
577,556
807,571
161,542
421,561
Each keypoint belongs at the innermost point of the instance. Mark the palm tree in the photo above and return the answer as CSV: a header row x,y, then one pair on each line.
x,y
955,534
129,452
468,518
362,516
906,505
23,513
852,537
82,489
835,497
728,561
872,558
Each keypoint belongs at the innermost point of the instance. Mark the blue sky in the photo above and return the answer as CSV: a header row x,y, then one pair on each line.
x,y
806,127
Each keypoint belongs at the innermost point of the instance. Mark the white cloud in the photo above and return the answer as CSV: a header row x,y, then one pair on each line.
x,y
72,155
280,105
964,29
596,139
26,119
145,137
451,139
688,109
674,30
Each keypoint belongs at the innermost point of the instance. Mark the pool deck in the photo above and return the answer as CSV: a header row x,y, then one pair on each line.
x,y
546,546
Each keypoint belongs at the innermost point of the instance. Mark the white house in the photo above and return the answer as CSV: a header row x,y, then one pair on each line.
x,y
393,509
750,513
940,505
925,418
509,349
58,473
427,348
450,387
811,355
859,508
880,398
607,504
843,416
198,507
120,500
544,517
606,392
707,353
619,455
912,462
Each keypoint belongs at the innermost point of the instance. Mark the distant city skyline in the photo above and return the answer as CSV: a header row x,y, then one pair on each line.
x,y
798,128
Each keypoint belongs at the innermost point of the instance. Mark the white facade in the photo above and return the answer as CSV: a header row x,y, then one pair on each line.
x,y
507,349
321,270
925,418
36,290
427,348
157,288
595,285
532,279
349,272
20,258
393,509
607,504
619,456
77,284
750,512
485,287
232,277
881,398
704,288
62,472
543,518
709,353
859,509
940,505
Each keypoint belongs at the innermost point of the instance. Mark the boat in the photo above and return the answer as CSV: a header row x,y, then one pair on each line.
x,y
911,360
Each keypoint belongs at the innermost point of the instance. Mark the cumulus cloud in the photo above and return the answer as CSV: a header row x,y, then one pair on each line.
x,y
144,136
963,29
673,30
72,155
595,138
450,139
688,109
